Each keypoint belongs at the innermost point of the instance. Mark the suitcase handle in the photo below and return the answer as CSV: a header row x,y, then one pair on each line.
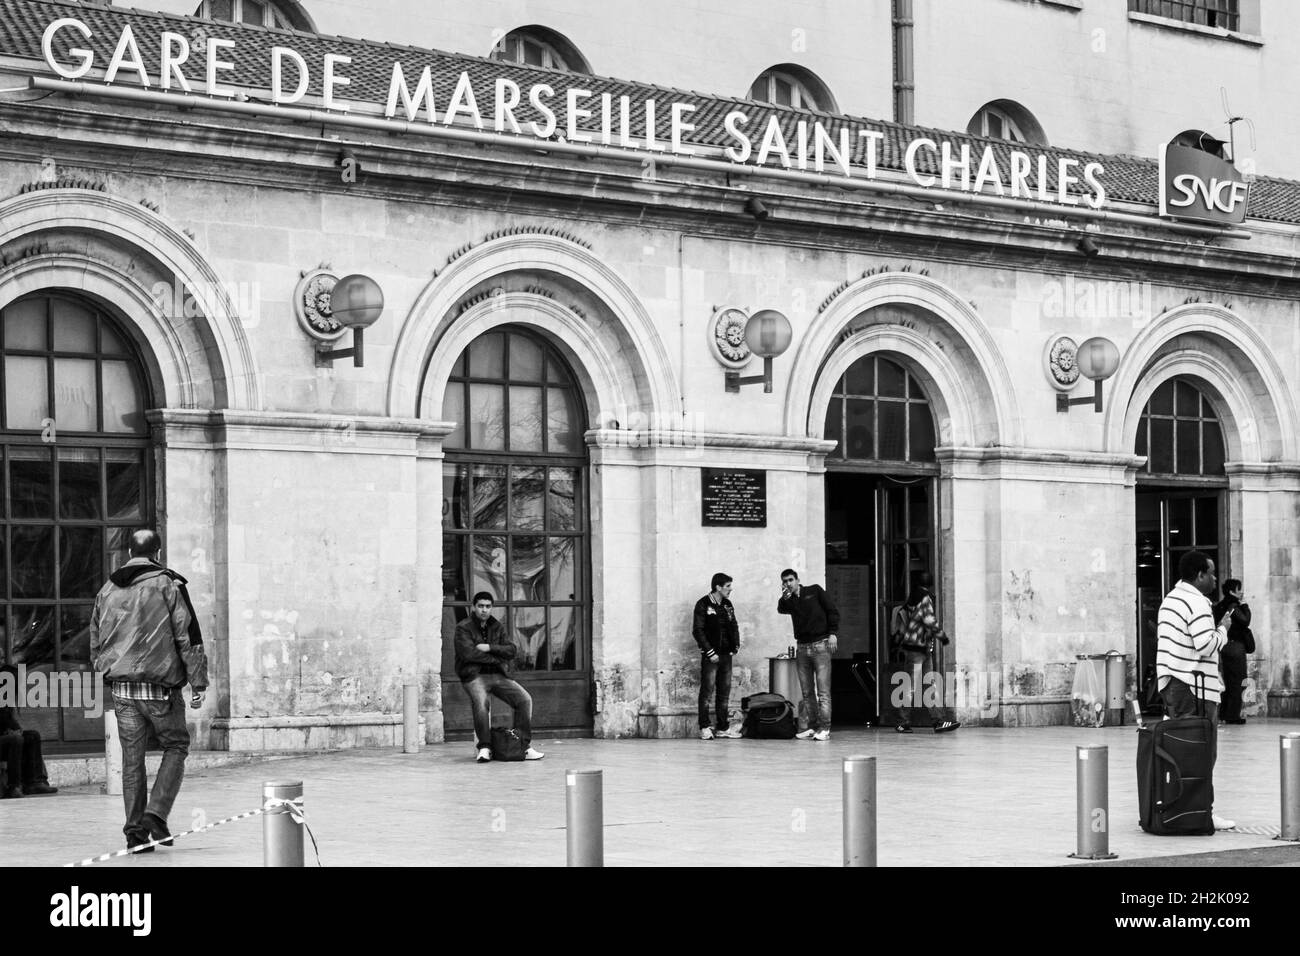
x,y
1165,757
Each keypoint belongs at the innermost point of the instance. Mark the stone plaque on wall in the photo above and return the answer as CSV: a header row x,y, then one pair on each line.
x,y
734,498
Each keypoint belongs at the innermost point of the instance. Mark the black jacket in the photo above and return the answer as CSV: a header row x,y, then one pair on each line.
x,y
811,612
470,661
714,626
1239,626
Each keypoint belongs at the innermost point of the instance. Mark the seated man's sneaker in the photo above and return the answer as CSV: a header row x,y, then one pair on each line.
x,y
531,754
806,734
706,733
731,733
484,755
822,735
1223,823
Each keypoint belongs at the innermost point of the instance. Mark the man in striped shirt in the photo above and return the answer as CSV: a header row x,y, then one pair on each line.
x,y
1187,649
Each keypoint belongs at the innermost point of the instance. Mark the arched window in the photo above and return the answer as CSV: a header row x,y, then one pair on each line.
x,y
1008,120
879,412
262,13
1180,433
514,520
538,46
790,85
77,475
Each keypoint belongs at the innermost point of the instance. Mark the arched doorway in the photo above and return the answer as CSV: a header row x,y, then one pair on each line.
x,y
880,516
1179,504
78,478
516,522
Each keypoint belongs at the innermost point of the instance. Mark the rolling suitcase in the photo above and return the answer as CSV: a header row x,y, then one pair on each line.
x,y
1175,767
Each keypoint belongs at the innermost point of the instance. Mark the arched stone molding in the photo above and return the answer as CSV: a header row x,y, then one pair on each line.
x,y
646,382
596,371
949,392
154,251
163,354
986,413
1233,360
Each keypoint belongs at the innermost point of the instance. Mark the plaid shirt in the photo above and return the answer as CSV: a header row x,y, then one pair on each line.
x,y
140,690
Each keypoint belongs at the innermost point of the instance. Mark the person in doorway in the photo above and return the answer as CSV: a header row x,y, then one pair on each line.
x,y
921,634
718,636
483,656
20,753
1187,651
145,638
1241,642
815,620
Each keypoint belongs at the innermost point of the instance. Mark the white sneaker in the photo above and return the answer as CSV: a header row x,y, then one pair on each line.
x,y
822,735
531,754
805,734
1223,823
731,733
706,733
484,755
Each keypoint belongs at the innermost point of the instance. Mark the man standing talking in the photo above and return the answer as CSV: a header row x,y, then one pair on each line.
x,y
145,639
1187,650
716,632
815,621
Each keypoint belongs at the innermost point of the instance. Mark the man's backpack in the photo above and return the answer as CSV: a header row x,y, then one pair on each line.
x,y
768,717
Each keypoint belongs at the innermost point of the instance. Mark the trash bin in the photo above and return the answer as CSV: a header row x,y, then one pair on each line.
x,y
1088,695
1116,685
783,678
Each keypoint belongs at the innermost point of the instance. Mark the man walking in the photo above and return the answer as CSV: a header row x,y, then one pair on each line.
x,y
716,632
145,639
920,632
815,620
1187,650
483,656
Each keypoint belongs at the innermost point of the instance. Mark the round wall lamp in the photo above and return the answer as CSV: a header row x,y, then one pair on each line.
x,y
768,334
356,303
1097,359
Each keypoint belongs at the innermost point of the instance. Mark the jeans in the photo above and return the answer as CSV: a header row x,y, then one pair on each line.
x,y
914,709
504,689
1234,675
166,718
715,678
21,752
814,660
1180,701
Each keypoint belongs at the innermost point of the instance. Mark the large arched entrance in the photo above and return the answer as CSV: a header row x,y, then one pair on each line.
x,y
516,522
1179,500
880,516
78,477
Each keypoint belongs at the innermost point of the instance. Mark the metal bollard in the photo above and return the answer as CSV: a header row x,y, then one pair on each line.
x,y
1093,814
411,718
112,753
282,839
584,817
1289,748
859,796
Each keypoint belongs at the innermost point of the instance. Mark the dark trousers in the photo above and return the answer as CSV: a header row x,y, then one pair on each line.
x,y
1180,701
21,754
135,719
1234,675
914,709
715,688
509,692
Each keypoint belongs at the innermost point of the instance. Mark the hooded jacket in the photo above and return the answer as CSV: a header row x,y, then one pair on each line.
x,y
143,628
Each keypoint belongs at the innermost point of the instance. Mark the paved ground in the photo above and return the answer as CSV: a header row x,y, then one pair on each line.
x,y
980,797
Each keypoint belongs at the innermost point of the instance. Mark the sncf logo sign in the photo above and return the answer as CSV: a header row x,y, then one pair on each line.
x,y
1198,186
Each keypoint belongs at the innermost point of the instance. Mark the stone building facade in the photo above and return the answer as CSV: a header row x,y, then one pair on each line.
x,y
541,403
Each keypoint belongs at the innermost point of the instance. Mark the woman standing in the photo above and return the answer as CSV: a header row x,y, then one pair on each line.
x,y
1240,643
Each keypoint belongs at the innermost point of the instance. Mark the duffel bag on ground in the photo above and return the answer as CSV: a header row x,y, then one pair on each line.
x,y
768,717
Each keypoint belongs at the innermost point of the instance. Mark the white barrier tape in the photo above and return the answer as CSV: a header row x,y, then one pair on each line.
x,y
292,807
